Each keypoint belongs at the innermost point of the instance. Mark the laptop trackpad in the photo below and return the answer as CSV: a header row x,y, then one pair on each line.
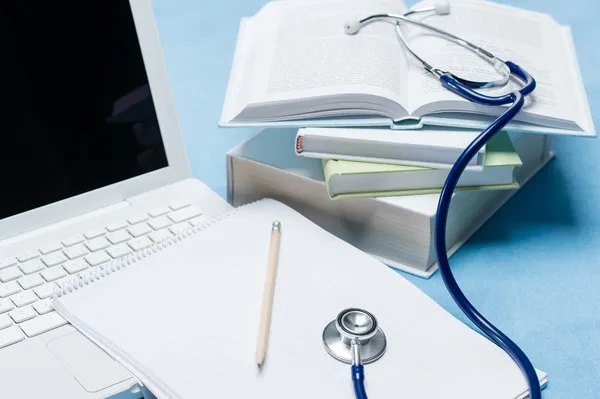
x,y
90,366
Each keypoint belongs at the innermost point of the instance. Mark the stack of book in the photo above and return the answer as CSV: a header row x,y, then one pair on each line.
x,y
360,139
378,163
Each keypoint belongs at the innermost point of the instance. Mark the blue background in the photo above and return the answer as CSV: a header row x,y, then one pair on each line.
x,y
533,269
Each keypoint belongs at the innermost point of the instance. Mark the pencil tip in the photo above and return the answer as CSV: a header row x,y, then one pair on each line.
x,y
259,365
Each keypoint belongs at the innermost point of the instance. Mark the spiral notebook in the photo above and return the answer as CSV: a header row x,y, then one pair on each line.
x,y
183,317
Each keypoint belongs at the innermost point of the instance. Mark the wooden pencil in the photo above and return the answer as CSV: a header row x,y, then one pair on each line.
x,y
268,294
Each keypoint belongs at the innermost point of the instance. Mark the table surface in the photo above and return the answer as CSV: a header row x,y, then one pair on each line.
x,y
533,269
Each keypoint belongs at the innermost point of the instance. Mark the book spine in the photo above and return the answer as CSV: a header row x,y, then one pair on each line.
x,y
106,269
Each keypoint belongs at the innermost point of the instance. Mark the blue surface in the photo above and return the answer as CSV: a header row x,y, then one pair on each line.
x,y
533,269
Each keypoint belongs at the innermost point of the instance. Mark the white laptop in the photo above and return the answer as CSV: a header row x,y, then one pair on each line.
x,y
93,166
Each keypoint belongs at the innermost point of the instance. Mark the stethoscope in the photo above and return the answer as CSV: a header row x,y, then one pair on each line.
x,y
355,338
363,341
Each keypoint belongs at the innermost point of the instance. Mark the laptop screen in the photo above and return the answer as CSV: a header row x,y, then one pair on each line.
x,y
76,111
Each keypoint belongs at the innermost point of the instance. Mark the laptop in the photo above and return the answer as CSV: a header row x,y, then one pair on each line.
x,y
93,167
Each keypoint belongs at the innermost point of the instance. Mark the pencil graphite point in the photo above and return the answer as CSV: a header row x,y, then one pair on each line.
x,y
259,365
276,225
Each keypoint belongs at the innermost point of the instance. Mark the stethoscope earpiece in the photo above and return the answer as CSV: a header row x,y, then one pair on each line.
x,y
352,27
441,8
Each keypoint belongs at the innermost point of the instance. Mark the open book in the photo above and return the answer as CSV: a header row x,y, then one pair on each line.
x,y
294,65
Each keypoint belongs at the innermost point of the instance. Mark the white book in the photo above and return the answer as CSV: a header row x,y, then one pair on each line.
x,y
396,230
183,316
433,148
294,65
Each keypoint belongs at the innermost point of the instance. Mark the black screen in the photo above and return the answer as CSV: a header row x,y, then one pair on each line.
x,y
76,111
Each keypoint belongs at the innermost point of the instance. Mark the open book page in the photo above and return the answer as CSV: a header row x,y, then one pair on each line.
x,y
300,51
532,40
236,97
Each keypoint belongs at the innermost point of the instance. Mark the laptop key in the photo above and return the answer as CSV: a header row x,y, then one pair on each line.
x,y
6,305
137,218
185,214
9,289
5,321
32,266
43,307
97,258
178,205
94,233
118,237
139,229
24,298
159,211
10,335
119,250
76,251
50,248
139,243
28,256
53,273
97,244
8,262
55,258
45,291
42,324
9,274
33,280
116,226
160,223
22,314
76,239
75,266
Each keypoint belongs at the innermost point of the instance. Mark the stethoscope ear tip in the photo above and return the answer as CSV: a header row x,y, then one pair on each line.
x,y
442,8
352,27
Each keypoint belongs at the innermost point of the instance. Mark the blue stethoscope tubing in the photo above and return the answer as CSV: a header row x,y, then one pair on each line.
x,y
516,99
358,381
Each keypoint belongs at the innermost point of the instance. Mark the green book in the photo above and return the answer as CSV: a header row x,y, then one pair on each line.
x,y
350,179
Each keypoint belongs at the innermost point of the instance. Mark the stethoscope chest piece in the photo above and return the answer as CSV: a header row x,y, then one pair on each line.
x,y
354,324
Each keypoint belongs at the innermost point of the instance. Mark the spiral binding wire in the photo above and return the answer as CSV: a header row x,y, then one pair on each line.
x,y
113,266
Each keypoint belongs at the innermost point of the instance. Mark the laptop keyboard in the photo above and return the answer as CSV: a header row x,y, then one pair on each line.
x,y
27,281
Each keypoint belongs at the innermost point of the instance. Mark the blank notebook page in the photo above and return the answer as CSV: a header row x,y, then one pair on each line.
x,y
185,319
